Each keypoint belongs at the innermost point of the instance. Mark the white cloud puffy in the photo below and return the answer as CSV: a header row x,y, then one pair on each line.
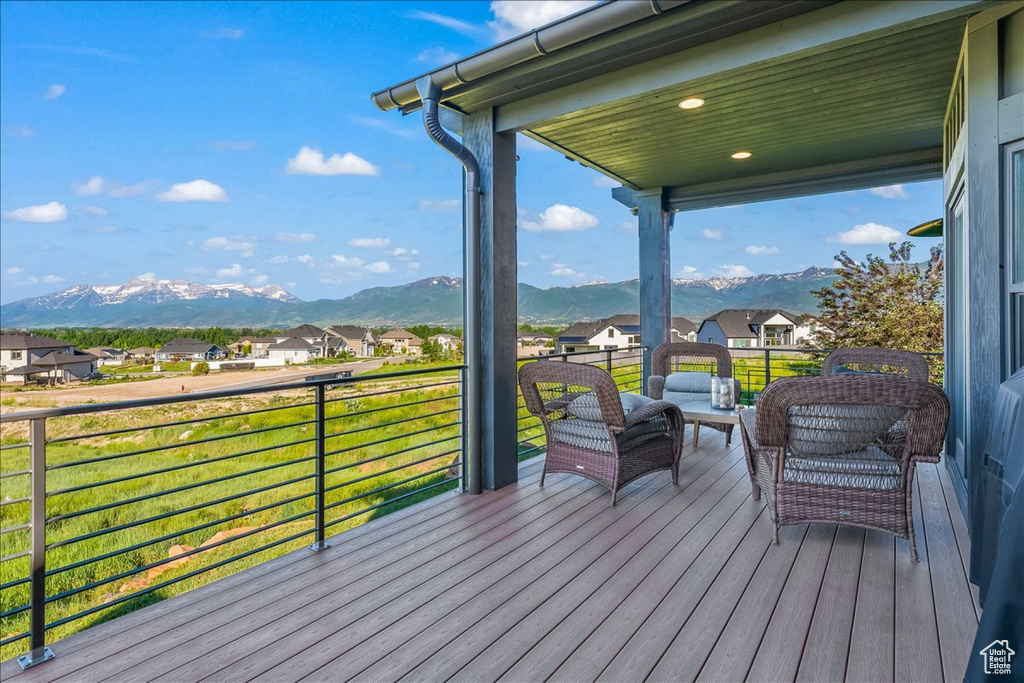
x,y
297,237
311,161
605,181
54,91
447,205
370,242
90,188
259,280
52,212
713,235
560,218
729,270
234,270
53,279
379,267
866,233
246,244
563,270
689,273
761,250
15,270
305,258
346,261
512,17
146,276
195,191
890,192
402,251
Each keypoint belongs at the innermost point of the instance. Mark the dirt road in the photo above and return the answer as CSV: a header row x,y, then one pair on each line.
x,y
167,386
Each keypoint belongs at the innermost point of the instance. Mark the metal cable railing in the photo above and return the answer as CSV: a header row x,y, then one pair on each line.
x,y
104,505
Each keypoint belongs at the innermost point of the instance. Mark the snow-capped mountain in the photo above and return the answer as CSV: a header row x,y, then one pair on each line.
x,y
153,291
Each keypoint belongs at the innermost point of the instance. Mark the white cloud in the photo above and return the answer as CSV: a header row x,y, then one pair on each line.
x,y
54,91
259,280
631,227
713,235
761,251
52,212
90,188
223,34
734,271
311,161
523,264
379,267
867,233
246,244
605,181
413,265
195,191
546,257
448,205
689,273
370,242
402,251
890,192
563,270
94,210
146,276
561,218
463,27
53,279
297,237
347,262
280,258
437,56
234,270
15,270
512,17
305,258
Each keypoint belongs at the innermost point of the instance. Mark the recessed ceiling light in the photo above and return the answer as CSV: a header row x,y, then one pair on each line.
x,y
691,103
742,155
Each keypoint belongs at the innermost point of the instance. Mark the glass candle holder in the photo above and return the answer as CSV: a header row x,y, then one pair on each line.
x,y
723,393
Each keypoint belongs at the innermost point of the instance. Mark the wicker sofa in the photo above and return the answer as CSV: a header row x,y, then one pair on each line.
x,y
672,381
843,448
594,431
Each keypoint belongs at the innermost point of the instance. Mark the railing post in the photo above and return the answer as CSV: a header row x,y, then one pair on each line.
x,y
463,419
321,450
38,652
767,366
608,362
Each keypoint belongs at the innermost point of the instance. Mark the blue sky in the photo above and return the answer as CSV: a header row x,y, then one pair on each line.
x,y
236,142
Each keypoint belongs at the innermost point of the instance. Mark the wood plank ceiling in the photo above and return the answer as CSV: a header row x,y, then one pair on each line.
x,y
878,98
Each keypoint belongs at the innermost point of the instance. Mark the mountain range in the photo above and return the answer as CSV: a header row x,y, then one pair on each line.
x,y
435,300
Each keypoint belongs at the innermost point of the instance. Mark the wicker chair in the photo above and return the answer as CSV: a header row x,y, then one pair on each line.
x,y
595,432
914,364
667,358
829,449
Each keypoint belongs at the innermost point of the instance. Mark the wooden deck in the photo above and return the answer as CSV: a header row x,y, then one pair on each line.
x,y
528,583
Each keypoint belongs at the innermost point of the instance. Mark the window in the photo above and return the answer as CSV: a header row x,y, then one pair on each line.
x,y
15,355
1015,245
611,332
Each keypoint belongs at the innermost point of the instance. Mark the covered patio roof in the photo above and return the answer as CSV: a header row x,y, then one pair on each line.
x,y
826,96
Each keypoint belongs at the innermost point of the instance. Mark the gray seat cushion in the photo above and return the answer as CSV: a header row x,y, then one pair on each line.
x,y
689,382
871,468
835,429
586,407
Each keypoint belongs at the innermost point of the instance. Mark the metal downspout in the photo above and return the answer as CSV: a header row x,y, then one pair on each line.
x,y
430,94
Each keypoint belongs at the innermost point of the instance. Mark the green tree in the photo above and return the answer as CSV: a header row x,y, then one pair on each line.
x,y
894,303
432,350
201,368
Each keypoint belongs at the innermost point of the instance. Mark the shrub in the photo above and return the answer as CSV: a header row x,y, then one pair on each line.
x,y
201,368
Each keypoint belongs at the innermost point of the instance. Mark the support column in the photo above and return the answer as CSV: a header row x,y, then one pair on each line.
x,y
496,154
655,273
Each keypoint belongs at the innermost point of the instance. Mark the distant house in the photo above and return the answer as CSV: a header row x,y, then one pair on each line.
x,y
359,341
27,357
448,342
683,330
402,341
106,355
614,333
524,339
185,348
141,353
261,346
738,328
311,333
293,350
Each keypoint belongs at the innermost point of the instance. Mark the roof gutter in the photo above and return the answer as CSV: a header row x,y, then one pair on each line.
x,y
541,42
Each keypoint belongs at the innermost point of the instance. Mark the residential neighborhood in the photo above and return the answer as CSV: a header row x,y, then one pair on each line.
x,y
27,358
618,332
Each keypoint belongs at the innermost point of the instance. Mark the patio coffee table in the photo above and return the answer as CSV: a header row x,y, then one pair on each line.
x,y
701,411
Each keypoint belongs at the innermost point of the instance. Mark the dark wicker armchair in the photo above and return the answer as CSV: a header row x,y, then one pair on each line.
x,y
669,363
914,364
595,432
843,448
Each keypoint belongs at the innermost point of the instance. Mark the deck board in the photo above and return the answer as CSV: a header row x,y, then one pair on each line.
x,y
529,583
